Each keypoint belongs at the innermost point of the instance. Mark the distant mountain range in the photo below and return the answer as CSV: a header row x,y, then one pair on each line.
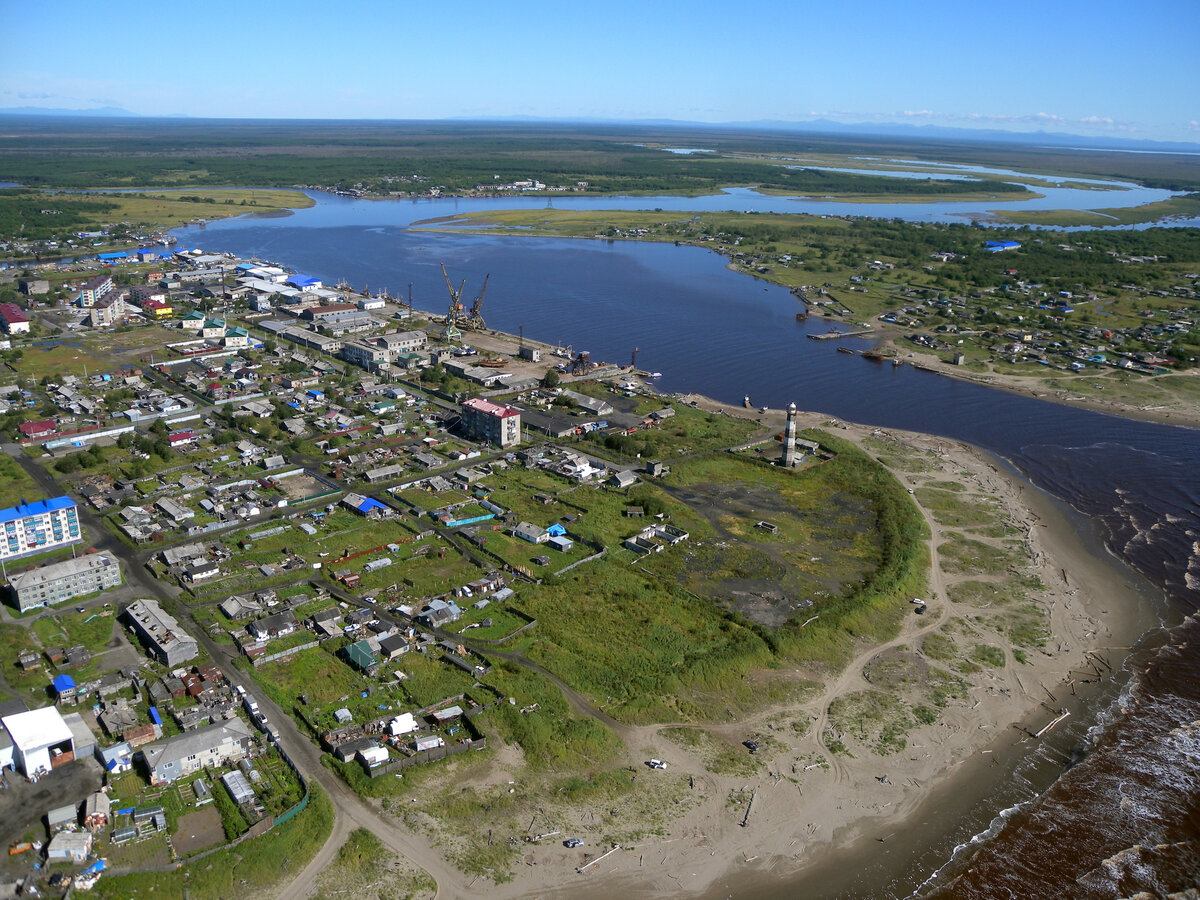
x,y
817,126
101,111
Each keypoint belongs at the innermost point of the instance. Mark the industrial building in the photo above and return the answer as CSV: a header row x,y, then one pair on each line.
x,y
491,422
41,740
166,641
66,580
34,527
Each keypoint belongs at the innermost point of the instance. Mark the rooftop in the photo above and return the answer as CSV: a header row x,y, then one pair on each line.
x,y
64,569
194,742
37,728
23,510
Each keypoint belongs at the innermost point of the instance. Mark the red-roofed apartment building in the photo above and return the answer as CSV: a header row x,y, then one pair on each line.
x,y
492,422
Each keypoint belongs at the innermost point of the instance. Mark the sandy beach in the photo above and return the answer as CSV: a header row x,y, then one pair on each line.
x,y
811,821
829,818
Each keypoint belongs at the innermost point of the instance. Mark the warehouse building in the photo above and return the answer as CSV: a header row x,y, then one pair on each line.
x,y
166,641
42,741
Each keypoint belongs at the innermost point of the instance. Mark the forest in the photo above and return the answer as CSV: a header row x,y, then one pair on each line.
x,y
414,156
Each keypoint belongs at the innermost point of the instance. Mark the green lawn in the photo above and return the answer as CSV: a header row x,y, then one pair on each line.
x,y
15,484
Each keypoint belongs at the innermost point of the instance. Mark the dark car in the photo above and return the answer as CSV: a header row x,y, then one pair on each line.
x,y
752,746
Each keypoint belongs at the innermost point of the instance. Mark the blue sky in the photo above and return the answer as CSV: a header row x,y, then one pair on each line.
x,y
1123,69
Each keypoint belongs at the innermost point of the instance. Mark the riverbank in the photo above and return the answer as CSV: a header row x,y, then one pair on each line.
x,y
1169,411
770,249
811,820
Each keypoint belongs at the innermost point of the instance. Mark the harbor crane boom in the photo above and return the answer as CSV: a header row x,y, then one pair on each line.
x,y
452,332
475,318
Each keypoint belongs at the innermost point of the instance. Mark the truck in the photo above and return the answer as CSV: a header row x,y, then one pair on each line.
x,y
250,703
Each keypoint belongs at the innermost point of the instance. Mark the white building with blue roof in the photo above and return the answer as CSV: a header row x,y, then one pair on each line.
x,y
33,527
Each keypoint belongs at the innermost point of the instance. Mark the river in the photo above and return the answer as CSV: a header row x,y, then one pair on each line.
x,y
1135,782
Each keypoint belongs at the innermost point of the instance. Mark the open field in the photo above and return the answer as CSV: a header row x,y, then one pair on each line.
x,y
1186,205
15,484
82,353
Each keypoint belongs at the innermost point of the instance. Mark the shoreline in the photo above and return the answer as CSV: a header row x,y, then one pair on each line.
x,y
841,829
885,337
1188,417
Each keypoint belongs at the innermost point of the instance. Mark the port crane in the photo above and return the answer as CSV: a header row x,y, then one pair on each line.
x,y
474,317
452,331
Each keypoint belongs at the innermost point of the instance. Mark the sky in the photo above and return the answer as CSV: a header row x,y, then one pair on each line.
x,y
1128,69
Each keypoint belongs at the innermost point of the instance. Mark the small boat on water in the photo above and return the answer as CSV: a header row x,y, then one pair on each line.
x,y
655,375
845,350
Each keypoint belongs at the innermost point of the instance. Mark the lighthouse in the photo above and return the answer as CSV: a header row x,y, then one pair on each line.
x,y
787,458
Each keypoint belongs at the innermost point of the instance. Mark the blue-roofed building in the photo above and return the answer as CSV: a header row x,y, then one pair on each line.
x,y
115,759
33,527
64,688
367,506
304,282
108,257
997,246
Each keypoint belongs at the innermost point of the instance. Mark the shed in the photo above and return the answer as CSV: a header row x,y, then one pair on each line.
x,y
62,817
429,743
403,724
202,791
97,811
373,757
562,544
239,788
347,751
70,845
82,736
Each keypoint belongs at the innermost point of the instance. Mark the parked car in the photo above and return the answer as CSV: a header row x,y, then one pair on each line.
x,y
656,764
572,843
752,746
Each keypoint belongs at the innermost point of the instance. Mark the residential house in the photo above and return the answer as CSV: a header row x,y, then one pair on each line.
x,y
215,745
